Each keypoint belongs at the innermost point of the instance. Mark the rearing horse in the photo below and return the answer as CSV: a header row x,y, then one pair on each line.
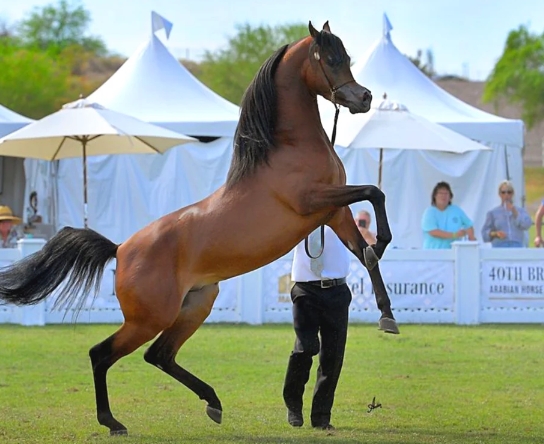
x,y
285,180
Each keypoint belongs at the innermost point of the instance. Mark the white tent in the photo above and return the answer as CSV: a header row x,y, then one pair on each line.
x,y
384,69
11,121
154,87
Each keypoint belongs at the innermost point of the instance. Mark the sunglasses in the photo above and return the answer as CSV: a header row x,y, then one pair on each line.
x,y
507,192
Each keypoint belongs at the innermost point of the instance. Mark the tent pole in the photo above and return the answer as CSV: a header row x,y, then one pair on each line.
x,y
380,169
84,142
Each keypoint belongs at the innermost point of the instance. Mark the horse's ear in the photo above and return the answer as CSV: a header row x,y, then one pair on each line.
x,y
313,32
326,27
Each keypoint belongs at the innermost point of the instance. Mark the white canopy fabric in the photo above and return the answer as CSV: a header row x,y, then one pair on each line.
x,y
391,125
154,87
59,135
11,121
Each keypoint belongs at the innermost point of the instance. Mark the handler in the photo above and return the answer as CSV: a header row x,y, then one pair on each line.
x,y
321,301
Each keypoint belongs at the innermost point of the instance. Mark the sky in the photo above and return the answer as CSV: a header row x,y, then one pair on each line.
x,y
466,36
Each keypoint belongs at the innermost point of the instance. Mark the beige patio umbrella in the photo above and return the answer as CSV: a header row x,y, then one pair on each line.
x,y
389,125
82,129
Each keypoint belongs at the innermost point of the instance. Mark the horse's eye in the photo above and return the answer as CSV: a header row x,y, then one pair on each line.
x,y
330,60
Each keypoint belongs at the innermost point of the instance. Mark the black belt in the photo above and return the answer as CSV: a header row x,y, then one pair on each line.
x,y
327,283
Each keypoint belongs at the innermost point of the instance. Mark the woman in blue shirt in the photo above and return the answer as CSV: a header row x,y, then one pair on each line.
x,y
444,222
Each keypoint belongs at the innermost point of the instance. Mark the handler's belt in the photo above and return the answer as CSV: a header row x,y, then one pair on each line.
x,y
327,283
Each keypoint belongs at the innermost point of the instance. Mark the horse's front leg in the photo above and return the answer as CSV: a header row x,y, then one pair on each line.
x,y
327,198
344,226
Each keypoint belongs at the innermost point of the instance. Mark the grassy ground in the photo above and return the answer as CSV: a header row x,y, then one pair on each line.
x,y
437,384
534,192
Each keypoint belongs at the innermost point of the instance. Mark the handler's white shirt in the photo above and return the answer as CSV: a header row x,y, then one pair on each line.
x,y
336,260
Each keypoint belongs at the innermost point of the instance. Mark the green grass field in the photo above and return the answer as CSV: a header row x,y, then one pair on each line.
x,y
437,384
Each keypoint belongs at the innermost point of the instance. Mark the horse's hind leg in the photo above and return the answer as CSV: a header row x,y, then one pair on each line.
x,y
196,308
103,355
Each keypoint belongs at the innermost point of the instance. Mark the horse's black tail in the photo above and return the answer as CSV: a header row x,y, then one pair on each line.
x,y
77,254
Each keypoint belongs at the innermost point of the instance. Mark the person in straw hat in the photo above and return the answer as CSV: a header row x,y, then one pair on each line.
x,y
8,230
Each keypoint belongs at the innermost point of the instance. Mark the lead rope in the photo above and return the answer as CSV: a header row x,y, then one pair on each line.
x,y
322,240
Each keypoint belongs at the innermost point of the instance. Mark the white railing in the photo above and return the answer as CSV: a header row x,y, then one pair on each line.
x,y
468,284
29,315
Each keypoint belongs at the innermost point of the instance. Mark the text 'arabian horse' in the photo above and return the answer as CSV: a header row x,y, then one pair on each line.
x,y
285,180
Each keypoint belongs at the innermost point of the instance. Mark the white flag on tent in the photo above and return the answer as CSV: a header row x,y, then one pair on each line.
x,y
387,27
158,22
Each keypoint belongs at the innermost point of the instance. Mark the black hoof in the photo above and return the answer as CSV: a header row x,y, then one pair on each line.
x,y
370,257
389,325
119,432
215,414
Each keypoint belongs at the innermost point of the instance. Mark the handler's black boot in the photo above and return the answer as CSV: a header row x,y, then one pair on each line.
x,y
295,418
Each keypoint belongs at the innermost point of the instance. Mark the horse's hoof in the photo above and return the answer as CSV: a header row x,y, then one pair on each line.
x,y
215,414
370,257
389,325
119,432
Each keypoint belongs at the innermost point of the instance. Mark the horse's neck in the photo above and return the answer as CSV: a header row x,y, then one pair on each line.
x,y
298,114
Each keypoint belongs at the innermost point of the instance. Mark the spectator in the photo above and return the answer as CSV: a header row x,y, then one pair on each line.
x,y
505,225
363,219
444,222
321,301
538,222
8,229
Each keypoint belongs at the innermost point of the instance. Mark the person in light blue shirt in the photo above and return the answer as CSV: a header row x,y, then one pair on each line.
x,y
506,225
443,222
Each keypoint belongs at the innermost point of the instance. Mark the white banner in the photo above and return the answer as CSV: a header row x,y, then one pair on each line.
x,y
422,285
509,284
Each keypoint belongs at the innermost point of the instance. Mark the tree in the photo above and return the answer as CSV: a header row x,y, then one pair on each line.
x,y
32,83
56,27
518,76
229,71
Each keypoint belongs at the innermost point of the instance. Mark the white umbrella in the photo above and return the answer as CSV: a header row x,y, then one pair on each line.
x,y
82,129
391,126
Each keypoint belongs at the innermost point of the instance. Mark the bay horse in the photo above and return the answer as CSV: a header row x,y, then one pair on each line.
x,y
285,180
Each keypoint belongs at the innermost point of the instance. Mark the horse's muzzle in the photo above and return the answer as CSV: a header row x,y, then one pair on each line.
x,y
355,97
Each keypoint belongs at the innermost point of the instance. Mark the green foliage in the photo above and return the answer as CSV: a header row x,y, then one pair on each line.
x,y
32,82
436,383
57,27
518,76
229,71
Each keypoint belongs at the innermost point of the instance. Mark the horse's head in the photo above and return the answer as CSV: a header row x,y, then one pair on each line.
x,y
331,75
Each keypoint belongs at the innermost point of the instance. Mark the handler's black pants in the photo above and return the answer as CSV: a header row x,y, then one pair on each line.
x,y
324,311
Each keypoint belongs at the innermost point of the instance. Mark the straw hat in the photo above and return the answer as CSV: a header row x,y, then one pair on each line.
x,y
7,214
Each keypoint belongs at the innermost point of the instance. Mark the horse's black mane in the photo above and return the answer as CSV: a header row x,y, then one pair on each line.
x,y
254,136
